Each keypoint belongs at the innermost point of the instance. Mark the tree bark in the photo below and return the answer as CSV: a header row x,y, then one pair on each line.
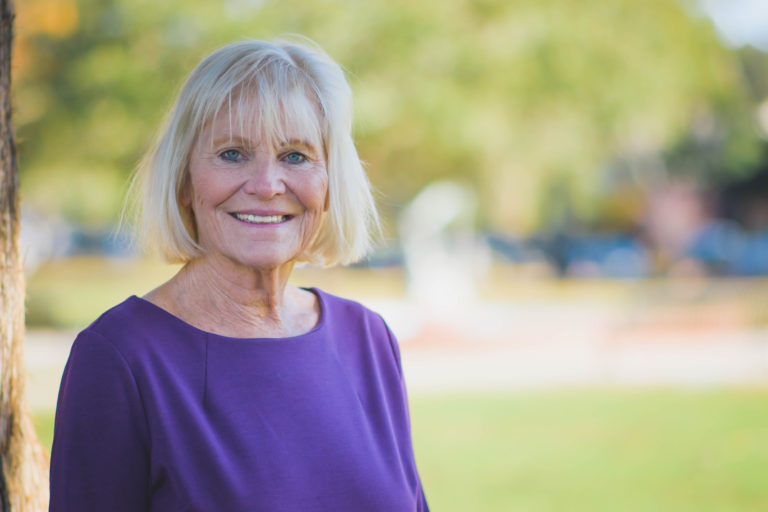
x,y
24,482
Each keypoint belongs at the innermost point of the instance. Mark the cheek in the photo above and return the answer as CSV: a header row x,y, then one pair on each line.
x,y
203,197
209,190
314,192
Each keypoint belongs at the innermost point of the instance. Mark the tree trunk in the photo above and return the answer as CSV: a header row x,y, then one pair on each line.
x,y
24,482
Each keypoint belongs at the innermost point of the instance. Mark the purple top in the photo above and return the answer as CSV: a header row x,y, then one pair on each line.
x,y
157,415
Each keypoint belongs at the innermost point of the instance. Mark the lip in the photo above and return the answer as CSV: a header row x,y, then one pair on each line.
x,y
262,213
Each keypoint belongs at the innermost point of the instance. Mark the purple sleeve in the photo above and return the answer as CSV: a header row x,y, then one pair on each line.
x,y
422,500
99,459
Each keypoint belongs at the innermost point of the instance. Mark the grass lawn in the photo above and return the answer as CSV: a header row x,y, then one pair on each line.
x,y
659,450
594,451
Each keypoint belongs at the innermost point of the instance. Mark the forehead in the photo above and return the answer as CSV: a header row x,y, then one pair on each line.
x,y
271,119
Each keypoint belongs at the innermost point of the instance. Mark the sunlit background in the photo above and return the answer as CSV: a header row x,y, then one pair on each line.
x,y
575,195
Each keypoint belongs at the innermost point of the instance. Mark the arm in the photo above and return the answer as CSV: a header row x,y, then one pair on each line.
x,y
100,454
421,498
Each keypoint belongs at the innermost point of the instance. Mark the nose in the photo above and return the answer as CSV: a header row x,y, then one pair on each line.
x,y
264,177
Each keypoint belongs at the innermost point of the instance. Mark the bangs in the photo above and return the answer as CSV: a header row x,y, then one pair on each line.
x,y
273,102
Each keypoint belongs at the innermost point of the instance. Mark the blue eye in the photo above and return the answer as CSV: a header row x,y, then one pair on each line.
x,y
230,155
294,157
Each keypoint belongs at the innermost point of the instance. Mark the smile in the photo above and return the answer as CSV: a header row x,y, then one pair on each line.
x,y
260,219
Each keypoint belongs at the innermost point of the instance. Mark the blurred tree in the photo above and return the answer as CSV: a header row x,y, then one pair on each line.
x,y
23,482
507,96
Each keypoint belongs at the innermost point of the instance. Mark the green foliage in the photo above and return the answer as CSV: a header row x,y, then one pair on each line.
x,y
505,95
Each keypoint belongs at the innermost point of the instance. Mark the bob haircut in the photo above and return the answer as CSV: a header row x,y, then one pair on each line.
x,y
280,84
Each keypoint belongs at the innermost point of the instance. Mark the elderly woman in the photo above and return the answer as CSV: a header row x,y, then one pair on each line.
x,y
226,388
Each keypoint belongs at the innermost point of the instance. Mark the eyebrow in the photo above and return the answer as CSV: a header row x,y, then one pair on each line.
x,y
299,142
231,139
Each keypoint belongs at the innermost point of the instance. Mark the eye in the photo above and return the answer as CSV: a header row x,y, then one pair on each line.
x,y
230,155
294,157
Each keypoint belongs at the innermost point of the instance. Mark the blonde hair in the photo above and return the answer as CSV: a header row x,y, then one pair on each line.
x,y
272,82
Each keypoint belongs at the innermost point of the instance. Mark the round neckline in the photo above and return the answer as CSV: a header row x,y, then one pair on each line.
x,y
317,327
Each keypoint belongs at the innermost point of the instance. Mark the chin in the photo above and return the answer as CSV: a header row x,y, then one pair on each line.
x,y
265,261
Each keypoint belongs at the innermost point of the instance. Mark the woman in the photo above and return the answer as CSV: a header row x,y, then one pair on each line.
x,y
226,389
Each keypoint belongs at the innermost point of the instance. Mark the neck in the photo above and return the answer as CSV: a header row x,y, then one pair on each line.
x,y
216,295
236,285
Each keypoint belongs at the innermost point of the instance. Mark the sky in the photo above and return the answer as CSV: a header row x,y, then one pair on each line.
x,y
740,22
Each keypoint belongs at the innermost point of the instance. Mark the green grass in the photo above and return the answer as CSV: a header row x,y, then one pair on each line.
x,y
590,451
43,422
594,451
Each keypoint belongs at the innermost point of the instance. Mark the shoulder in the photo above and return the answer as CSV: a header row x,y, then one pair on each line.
x,y
124,319
100,344
340,303
137,330
338,308
355,323
127,313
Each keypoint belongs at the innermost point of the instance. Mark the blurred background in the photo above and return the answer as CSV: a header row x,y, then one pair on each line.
x,y
575,195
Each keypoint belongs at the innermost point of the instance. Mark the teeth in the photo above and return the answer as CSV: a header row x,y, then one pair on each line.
x,y
258,219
